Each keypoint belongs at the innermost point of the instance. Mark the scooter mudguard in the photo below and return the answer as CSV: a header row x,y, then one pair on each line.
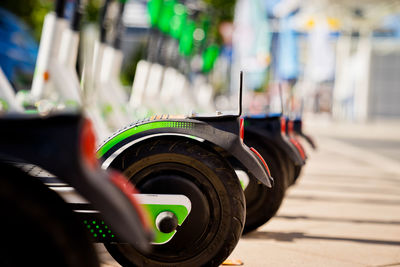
x,y
298,129
290,134
268,129
221,131
54,144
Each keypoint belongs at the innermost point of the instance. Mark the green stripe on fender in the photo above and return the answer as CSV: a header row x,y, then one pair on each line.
x,y
141,128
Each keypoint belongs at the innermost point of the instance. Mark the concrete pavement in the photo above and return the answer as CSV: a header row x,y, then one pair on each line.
x,y
344,210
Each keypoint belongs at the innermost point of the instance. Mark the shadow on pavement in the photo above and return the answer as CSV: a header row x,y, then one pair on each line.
x,y
328,219
350,178
345,199
292,236
351,189
388,148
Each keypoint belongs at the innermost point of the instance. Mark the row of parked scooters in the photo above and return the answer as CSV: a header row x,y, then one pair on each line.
x,y
163,191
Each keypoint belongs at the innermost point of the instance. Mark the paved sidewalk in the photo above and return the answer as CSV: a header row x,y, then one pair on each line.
x,y
344,211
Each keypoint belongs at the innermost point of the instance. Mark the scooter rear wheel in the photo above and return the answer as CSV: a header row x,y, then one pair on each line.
x,y
262,203
181,166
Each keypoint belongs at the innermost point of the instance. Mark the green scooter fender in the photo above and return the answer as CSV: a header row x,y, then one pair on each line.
x,y
221,131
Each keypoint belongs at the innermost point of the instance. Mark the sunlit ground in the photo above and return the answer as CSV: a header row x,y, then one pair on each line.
x,y
344,210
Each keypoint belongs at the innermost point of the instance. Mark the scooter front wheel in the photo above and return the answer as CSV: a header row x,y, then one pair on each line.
x,y
39,228
179,166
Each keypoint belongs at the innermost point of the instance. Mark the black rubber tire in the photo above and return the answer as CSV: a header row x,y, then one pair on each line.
x,y
297,172
282,159
290,167
262,202
217,181
38,228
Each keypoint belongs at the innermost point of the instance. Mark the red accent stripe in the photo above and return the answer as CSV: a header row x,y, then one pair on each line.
x,y
88,144
241,128
283,125
299,148
290,127
261,158
129,190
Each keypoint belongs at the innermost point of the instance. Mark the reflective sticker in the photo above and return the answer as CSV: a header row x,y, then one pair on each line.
x,y
155,204
141,128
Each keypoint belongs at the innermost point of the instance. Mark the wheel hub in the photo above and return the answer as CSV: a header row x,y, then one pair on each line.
x,y
195,224
166,222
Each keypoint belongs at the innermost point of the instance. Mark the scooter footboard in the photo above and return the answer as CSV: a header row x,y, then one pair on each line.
x,y
97,228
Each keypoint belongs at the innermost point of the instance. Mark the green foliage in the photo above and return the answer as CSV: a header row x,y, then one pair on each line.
x,y
210,55
186,39
32,12
224,9
128,71
92,10
154,8
178,20
166,16
220,11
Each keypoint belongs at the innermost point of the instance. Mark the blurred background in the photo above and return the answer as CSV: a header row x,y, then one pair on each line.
x,y
336,58
335,61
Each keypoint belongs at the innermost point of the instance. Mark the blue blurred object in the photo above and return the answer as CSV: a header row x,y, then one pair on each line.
x,y
391,24
264,115
287,59
18,49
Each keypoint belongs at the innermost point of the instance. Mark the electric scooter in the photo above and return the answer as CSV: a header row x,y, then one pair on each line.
x,y
298,130
32,143
40,223
7,96
186,164
107,60
55,83
183,167
267,134
166,75
157,78
163,121
295,141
